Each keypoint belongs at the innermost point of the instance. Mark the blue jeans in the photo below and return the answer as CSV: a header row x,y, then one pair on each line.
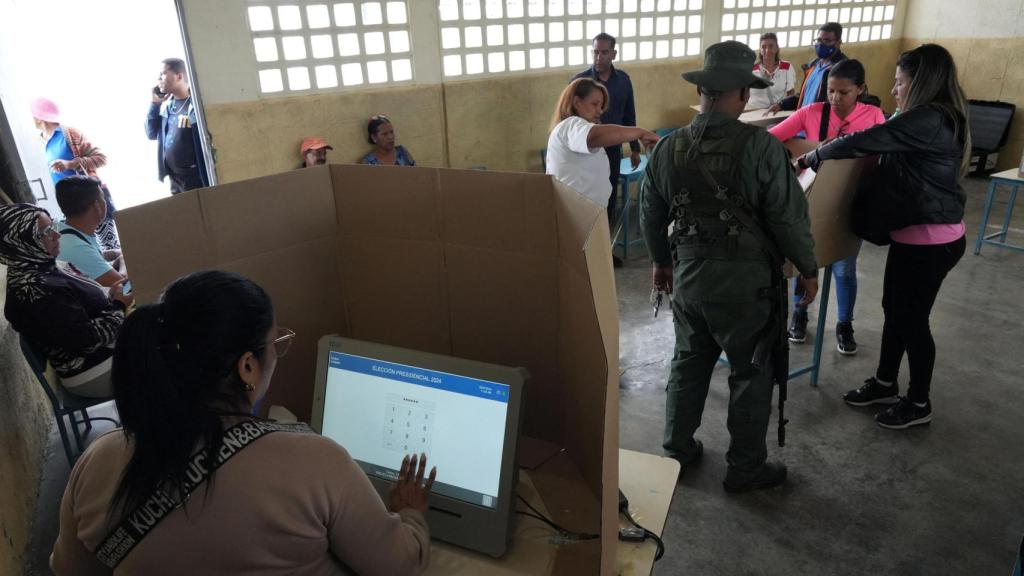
x,y
845,273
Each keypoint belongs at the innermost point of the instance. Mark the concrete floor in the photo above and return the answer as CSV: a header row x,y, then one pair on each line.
x,y
940,499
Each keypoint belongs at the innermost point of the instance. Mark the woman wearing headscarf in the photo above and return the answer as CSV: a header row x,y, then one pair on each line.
x,y
69,152
67,319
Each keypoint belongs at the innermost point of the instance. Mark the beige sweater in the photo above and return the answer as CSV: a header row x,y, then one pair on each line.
x,y
287,504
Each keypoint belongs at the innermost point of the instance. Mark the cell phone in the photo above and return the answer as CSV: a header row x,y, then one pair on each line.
x,y
126,288
158,92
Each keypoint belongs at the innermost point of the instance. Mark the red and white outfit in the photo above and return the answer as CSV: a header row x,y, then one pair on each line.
x,y
783,80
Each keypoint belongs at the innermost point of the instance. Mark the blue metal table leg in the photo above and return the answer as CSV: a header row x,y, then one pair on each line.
x,y
984,217
1009,211
820,333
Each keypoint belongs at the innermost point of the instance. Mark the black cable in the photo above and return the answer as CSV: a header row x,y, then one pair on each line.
x,y
561,531
648,535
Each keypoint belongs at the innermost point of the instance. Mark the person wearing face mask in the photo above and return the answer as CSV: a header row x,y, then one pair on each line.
x,y
828,54
67,320
70,153
194,483
842,114
576,145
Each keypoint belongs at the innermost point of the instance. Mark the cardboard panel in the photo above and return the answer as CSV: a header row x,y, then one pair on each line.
x,y
264,214
161,241
395,292
505,268
504,309
499,211
829,196
303,281
576,218
390,201
829,199
605,300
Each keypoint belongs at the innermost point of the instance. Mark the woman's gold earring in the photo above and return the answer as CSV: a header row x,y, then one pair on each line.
x,y
249,388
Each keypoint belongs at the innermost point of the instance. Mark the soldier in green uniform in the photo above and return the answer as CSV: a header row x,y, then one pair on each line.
x,y
737,210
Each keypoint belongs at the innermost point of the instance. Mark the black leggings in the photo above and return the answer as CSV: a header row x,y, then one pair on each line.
x,y
913,276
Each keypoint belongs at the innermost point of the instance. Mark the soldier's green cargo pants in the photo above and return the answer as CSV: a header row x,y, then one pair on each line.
x,y
703,331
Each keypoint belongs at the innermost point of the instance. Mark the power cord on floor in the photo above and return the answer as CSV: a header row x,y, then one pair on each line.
x,y
637,533
562,532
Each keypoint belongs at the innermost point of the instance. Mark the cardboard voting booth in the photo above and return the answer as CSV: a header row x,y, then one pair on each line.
x,y
512,269
829,196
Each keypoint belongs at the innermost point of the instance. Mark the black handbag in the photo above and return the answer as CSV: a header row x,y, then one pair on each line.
x,y
869,207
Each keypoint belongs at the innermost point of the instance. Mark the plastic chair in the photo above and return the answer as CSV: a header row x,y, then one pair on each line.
x,y
65,404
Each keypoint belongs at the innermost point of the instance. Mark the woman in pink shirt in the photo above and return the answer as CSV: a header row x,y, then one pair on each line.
x,y
923,154
846,115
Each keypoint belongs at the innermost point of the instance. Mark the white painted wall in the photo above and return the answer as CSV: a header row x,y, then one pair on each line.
x,y
225,60
938,19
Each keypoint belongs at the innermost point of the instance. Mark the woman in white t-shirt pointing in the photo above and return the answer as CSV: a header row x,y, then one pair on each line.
x,y
576,155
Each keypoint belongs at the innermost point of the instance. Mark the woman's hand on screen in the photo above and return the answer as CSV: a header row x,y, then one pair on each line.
x,y
411,491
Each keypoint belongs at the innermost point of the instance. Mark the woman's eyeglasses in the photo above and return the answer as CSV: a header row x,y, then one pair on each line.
x,y
40,234
283,341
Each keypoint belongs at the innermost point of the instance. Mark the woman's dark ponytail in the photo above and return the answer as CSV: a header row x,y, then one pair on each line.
x,y
174,374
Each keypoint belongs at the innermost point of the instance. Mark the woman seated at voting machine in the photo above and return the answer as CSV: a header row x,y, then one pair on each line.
x,y
194,484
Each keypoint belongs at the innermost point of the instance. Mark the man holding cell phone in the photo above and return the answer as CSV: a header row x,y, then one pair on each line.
x,y
172,122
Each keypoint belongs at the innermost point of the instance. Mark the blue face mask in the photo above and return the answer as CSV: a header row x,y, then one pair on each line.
x,y
824,51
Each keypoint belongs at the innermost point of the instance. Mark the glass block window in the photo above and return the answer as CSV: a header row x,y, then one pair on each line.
x,y
497,36
796,22
302,45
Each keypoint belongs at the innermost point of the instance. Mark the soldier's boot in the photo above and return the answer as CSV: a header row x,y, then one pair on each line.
x,y
772,474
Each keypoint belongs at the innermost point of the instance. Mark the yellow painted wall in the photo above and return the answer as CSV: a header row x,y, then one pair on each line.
x,y
24,429
990,69
499,122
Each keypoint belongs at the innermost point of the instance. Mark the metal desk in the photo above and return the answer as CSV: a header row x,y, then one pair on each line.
x,y
1009,178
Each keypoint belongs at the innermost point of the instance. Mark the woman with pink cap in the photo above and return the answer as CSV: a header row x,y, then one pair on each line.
x,y
68,153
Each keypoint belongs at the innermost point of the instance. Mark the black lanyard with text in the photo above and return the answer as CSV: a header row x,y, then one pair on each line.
x,y
140,521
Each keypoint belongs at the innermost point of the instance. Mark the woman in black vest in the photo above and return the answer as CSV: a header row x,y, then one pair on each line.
x,y
919,207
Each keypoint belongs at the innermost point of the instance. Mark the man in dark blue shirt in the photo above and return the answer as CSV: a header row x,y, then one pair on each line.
x,y
171,121
621,108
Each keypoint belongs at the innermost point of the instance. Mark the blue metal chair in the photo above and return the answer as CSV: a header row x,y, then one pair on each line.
x,y
65,404
627,176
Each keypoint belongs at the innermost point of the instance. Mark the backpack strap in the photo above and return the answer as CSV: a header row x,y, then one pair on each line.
x,y
69,231
826,113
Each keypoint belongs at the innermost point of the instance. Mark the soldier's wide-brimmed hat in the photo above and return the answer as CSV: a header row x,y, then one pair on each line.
x,y
727,66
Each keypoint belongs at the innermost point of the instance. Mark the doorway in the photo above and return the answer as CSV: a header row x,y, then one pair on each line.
x,y
98,61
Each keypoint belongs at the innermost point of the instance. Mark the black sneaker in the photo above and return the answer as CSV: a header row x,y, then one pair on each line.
x,y
872,392
846,345
904,415
771,475
798,328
